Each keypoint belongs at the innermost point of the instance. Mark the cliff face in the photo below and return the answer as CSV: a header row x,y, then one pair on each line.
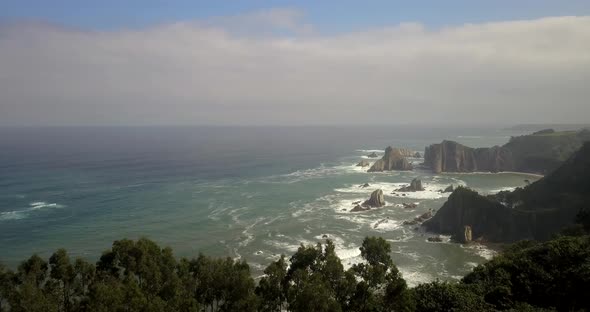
x,y
540,152
450,156
535,212
393,159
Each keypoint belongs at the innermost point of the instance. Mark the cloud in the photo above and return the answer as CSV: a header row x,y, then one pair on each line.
x,y
277,69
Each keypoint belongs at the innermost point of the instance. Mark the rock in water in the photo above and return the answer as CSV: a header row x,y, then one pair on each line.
x,y
363,163
364,185
410,205
393,159
376,199
467,234
435,239
373,155
359,208
415,185
449,189
417,155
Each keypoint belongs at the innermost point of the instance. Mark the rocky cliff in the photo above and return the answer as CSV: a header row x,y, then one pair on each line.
x,y
535,212
540,152
393,159
450,156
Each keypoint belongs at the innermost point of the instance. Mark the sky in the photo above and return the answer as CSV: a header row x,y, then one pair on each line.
x,y
148,62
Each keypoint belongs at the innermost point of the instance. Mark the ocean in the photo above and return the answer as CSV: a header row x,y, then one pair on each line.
x,y
246,192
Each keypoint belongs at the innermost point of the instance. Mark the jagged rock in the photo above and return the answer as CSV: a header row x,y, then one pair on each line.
x,y
450,156
325,236
417,155
356,202
413,222
363,163
365,185
425,216
393,159
373,155
415,185
359,208
435,239
467,235
449,189
376,199
409,205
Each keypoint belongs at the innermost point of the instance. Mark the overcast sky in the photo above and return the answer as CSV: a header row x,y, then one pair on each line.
x,y
277,67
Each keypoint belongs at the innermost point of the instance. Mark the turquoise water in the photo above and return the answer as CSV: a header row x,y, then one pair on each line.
x,y
249,192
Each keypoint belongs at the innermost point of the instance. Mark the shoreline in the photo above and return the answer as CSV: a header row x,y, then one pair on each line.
x,y
537,175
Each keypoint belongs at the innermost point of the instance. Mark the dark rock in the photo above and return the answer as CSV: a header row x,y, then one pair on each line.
x,y
356,202
435,239
365,185
373,155
393,159
409,205
423,217
415,185
450,156
359,208
417,155
376,199
363,163
325,236
449,189
413,222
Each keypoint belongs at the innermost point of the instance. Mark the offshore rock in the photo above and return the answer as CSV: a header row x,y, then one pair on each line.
x,y
363,163
393,159
376,200
415,186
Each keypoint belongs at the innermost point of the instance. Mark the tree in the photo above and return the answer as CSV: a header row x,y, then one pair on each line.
x,y
270,289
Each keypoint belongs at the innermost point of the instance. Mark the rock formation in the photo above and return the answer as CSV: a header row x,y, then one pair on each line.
x,y
540,152
373,155
376,200
393,159
409,205
363,163
417,155
536,211
450,156
364,185
435,239
449,189
415,186
359,208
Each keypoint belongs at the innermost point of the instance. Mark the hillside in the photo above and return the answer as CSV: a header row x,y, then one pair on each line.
x,y
534,212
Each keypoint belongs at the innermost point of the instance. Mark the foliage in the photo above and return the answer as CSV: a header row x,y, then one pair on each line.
x,y
142,276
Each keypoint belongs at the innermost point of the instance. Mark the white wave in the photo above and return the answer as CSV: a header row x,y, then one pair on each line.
x,y
498,190
481,250
415,276
24,213
431,190
385,225
370,150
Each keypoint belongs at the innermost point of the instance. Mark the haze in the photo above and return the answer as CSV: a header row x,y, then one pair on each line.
x,y
275,67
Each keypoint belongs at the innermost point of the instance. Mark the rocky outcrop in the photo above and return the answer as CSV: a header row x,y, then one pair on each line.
x,y
540,152
359,208
373,155
363,163
364,185
536,211
376,200
415,186
488,218
419,219
450,156
417,155
448,189
409,205
393,159
435,239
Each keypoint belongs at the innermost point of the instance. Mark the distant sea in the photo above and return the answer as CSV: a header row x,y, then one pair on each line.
x,y
244,192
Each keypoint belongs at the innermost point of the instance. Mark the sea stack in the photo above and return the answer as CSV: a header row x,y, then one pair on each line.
x,y
376,200
393,159
415,186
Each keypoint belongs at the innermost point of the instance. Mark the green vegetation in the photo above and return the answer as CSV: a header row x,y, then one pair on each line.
x,y
142,276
